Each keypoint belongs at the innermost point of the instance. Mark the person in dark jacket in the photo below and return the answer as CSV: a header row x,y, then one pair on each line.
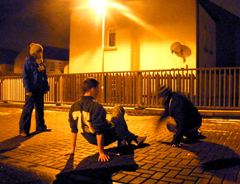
x,y
36,85
186,120
89,117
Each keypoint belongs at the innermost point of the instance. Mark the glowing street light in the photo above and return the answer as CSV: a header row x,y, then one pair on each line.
x,y
100,7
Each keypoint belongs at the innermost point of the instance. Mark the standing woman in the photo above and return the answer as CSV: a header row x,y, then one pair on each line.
x,y
36,85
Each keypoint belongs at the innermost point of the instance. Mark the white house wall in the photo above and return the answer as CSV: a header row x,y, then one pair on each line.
x,y
119,60
145,30
85,43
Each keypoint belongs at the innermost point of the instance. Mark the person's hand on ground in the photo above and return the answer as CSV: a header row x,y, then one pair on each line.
x,y
176,145
103,158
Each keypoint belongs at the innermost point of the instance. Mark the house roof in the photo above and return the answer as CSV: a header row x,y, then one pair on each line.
x,y
218,14
7,56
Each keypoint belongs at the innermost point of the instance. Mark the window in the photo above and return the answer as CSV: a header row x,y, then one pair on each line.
x,y
111,44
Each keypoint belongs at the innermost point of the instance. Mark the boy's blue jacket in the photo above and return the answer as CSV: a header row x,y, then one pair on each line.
x,y
32,78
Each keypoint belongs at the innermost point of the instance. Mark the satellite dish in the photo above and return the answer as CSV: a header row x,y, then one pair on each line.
x,y
180,50
176,47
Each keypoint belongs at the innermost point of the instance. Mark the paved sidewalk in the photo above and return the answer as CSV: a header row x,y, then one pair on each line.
x,y
214,160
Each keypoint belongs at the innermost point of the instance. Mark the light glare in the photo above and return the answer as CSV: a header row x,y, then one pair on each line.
x,y
98,5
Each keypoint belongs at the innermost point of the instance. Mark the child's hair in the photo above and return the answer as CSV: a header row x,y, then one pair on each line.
x,y
164,91
88,84
35,47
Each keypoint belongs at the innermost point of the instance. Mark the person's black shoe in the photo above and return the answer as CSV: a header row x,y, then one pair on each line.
x,y
122,143
139,140
45,129
200,136
23,134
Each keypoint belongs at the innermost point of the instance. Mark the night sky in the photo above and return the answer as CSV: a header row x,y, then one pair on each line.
x,y
41,21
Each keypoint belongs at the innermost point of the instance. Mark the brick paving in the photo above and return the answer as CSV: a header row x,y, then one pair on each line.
x,y
216,159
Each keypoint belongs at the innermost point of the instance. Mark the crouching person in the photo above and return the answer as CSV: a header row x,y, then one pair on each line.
x,y
185,120
89,117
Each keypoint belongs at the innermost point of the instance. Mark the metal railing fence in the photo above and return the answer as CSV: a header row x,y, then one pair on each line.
x,y
207,88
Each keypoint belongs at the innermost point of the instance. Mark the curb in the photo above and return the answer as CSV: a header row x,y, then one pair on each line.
x,y
228,114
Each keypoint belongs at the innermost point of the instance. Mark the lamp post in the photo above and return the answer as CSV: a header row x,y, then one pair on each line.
x,y
100,8
103,36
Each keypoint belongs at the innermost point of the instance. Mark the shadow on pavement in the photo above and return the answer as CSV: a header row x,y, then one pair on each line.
x,y
221,164
90,170
14,142
219,160
10,174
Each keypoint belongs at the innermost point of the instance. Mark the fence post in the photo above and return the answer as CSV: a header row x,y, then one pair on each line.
x,y
56,84
103,90
139,91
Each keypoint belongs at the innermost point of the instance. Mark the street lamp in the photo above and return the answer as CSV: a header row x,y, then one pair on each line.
x,y
100,7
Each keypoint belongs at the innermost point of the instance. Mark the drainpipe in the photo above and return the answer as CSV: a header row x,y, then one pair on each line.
x,y
103,34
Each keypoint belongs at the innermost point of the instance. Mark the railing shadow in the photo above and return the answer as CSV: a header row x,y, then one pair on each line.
x,y
90,170
219,160
14,142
